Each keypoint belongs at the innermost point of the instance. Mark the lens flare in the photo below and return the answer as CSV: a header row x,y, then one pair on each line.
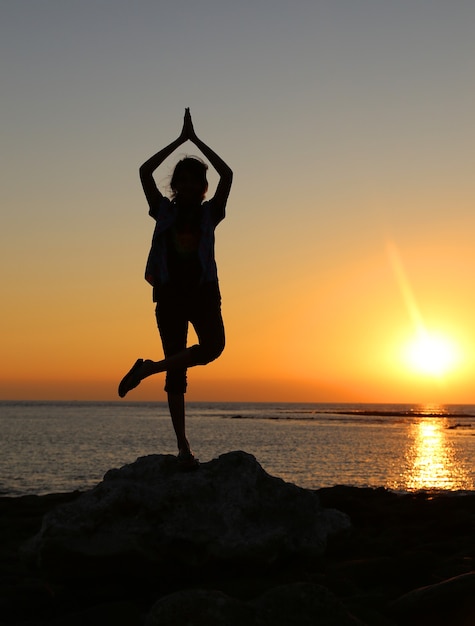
x,y
427,352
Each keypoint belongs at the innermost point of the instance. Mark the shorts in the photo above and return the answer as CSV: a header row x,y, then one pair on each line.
x,y
175,309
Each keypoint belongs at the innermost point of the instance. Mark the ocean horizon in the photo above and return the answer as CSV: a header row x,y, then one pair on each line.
x,y
49,446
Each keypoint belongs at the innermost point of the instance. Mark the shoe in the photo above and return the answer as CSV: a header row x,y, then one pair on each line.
x,y
187,460
130,380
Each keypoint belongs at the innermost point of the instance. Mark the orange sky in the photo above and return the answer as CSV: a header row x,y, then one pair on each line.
x,y
368,147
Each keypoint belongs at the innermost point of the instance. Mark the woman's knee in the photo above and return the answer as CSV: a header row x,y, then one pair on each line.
x,y
208,351
216,350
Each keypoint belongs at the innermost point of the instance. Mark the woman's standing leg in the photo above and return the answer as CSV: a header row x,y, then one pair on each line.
x,y
172,324
176,406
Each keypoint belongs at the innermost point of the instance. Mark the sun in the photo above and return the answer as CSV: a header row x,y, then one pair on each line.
x,y
431,354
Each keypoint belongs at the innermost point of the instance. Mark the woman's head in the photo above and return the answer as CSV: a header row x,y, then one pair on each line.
x,y
189,179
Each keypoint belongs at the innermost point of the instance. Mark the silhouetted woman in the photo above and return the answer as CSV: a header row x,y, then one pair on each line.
x,y
181,268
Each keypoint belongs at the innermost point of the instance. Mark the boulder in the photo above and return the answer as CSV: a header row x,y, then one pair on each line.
x,y
152,518
298,604
199,607
302,604
450,601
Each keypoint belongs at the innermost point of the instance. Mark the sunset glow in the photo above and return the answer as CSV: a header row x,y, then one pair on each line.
x,y
346,259
426,353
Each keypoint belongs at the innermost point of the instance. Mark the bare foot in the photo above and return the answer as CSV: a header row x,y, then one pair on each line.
x,y
187,460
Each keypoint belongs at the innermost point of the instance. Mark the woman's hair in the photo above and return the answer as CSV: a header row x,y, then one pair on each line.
x,y
194,167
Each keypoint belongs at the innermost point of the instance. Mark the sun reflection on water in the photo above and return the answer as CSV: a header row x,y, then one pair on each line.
x,y
431,460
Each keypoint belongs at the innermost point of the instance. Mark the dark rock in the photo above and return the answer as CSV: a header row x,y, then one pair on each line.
x,y
150,517
433,603
199,607
397,544
115,614
301,604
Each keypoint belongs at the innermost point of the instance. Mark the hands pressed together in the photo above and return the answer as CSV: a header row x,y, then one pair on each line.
x,y
188,132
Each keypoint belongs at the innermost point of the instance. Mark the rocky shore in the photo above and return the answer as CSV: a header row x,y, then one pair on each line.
x,y
230,545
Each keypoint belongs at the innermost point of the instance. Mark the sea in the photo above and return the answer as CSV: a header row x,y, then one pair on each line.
x,y
53,447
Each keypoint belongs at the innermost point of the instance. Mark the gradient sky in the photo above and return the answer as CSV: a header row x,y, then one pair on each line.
x,y
349,127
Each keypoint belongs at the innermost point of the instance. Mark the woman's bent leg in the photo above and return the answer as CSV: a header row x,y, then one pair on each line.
x,y
205,315
208,323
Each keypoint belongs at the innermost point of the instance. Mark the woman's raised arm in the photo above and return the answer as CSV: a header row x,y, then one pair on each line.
x,y
152,193
224,171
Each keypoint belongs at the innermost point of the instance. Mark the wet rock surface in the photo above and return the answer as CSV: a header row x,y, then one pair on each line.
x,y
406,560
